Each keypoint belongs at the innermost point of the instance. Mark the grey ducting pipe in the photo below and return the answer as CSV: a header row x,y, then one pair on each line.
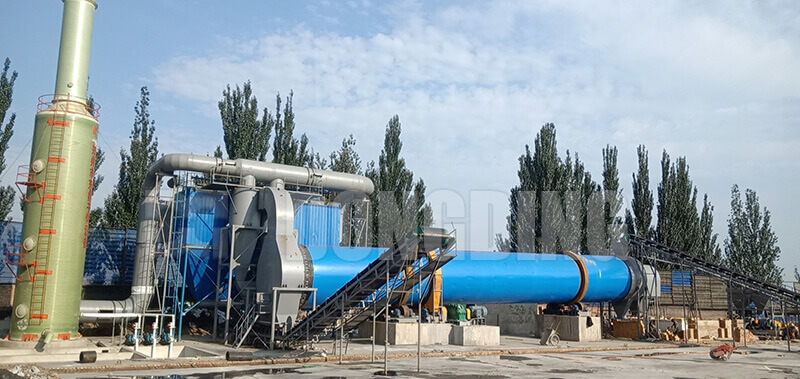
x,y
143,287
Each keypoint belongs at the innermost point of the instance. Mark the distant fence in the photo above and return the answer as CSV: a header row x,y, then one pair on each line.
x,y
109,257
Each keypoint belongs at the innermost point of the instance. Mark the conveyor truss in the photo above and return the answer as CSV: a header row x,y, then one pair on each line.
x,y
415,258
671,255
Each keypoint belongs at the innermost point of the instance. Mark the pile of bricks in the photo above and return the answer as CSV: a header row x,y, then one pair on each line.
x,y
716,329
723,329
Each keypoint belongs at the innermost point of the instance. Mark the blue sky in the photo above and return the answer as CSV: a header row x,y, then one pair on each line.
x,y
472,82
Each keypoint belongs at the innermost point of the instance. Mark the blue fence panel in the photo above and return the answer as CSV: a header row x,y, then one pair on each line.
x,y
681,278
665,288
10,233
110,257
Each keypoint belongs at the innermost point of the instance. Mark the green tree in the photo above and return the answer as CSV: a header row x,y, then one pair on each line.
x,y
612,197
398,203
677,207
354,210
96,214
642,201
557,205
7,193
346,159
680,225
539,171
709,248
245,136
751,247
630,225
286,148
122,206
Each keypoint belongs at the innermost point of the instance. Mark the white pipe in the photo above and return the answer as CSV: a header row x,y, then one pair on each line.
x,y
143,287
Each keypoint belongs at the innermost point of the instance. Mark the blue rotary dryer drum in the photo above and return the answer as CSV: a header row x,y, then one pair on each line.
x,y
491,277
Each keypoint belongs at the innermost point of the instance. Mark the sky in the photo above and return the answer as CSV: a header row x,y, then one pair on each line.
x,y
717,82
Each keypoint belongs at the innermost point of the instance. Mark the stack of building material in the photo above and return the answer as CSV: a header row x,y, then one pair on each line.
x,y
741,334
704,329
632,329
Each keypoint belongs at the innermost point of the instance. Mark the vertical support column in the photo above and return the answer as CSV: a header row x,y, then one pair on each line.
x,y
341,332
228,300
155,338
216,295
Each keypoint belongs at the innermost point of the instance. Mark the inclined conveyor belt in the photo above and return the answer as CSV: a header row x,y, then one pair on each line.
x,y
668,254
350,304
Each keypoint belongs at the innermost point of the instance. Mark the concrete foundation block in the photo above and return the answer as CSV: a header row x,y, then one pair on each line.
x,y
513,319
475,335
406,333
570,328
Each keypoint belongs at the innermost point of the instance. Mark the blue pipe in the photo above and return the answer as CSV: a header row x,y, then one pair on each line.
x,y
490,277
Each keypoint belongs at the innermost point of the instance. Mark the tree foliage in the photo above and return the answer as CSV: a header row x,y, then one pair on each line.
x,y
288,149
398,202
677,206
642,201
122,206
612,197
346,159
751,247
557,205
354,211
245,135
96,214
7,193
709,248
680,225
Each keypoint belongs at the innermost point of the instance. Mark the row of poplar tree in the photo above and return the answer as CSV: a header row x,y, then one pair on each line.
x,y
545,178
575,199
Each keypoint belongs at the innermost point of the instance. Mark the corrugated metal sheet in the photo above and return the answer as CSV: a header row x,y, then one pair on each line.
x,y
666,288
318,225
206,215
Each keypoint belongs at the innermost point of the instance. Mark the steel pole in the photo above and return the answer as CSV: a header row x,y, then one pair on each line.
x,y
419,316
386,329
